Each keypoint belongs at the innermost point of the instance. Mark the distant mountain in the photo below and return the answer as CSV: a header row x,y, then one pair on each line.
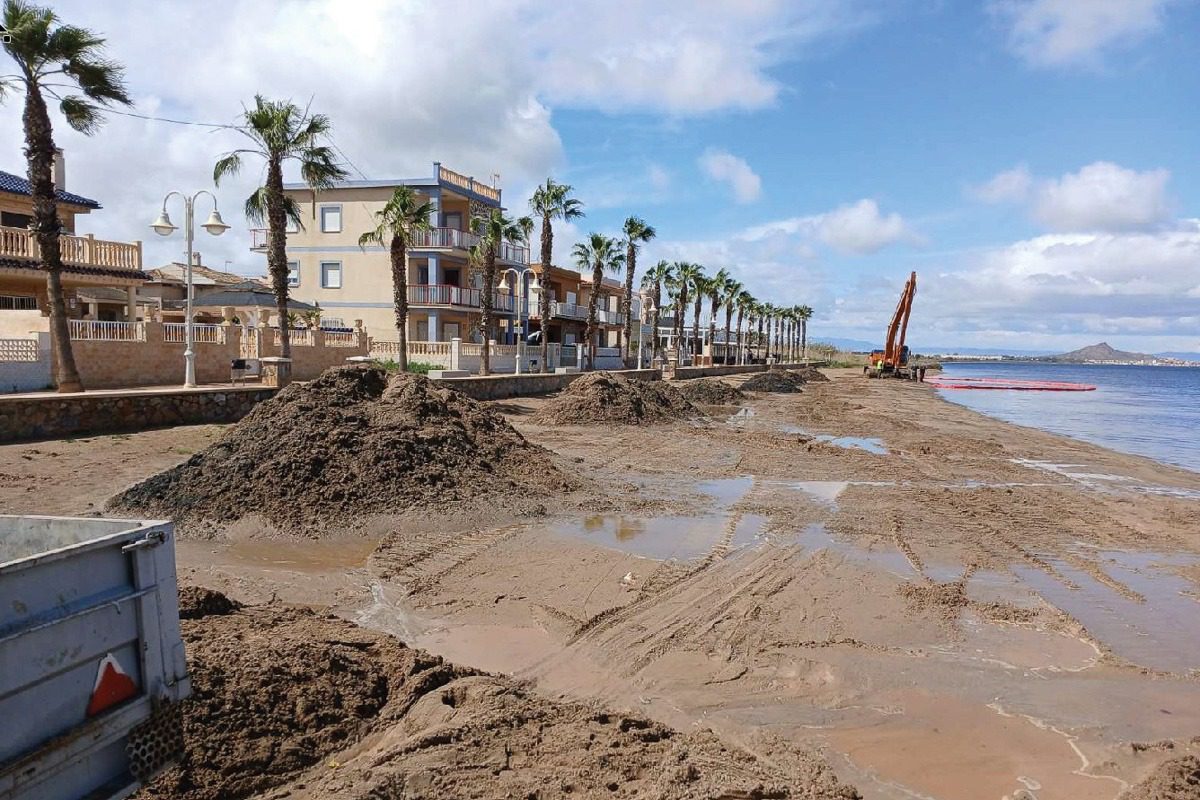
x,y
976,351
848,345
1100,352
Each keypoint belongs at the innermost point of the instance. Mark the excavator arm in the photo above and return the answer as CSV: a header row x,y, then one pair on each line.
x,y
894,354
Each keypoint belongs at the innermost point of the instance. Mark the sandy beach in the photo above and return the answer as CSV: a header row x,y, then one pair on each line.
x,y
926,601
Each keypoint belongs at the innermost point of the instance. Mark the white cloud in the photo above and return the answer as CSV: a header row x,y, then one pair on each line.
x,y
1099,197
721,165
471,84
861,229
1010,186
1104,197
1051,33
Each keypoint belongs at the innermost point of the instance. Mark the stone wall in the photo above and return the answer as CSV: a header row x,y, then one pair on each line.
x,y
685,373
23,418
500,387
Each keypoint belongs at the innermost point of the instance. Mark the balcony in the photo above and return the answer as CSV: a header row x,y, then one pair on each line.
x,y
470,184
572,311
77,251
443,239
460,296
514,253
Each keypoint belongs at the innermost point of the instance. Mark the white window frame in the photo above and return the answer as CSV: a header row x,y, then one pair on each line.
x,y
291,226
453,215
321,217
293,269
325,284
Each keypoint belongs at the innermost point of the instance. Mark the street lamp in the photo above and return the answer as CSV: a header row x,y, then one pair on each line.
x,y
164,227
522,304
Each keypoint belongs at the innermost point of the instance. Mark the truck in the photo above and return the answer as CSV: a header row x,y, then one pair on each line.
x,y
92,664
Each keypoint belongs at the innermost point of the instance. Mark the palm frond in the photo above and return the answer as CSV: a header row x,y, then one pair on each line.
x,y
229,164
81,115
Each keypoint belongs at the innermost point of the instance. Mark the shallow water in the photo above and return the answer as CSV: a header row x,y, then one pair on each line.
x,y
667,538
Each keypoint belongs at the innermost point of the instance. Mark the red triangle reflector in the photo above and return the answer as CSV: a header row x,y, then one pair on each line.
x,y
113,686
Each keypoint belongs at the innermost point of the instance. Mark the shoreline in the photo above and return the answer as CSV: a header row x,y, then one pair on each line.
x,y
925,619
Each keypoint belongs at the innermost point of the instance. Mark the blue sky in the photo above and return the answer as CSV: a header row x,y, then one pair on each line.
x,y
1033,160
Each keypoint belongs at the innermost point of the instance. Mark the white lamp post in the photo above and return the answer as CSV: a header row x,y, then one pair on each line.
x,y
522,305
163,227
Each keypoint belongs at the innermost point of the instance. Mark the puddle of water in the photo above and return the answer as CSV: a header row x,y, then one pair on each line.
x,y
826,491
817,537
741,416
869,443
309,555
665,538
1161,633
726,491
1106,481
980,751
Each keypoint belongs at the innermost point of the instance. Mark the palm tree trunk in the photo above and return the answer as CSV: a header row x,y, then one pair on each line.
x,y
39,152
738,357
627,306
400,296
761,320
680,305
485,309
593,300
712,328
696,326
544,294
804,338
277,250
655,315
728,325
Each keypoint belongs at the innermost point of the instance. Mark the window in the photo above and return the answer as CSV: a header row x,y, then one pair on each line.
x,y
331,219
293,273
10,219
423,275
331,274
450,277
454,220
291,226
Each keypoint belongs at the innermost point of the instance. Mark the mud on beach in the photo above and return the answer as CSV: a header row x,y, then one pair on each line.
x,y
927,601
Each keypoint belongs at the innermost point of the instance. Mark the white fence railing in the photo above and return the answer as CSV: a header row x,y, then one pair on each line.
x,y
107,331
18,350
419,349
201,334
341,339
504,349
299,337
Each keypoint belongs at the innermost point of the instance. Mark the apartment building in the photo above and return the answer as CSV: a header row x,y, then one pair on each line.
x,y
100,278
570,293
327,266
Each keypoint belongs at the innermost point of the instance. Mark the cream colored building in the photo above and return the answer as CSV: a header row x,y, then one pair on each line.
x,y
327,267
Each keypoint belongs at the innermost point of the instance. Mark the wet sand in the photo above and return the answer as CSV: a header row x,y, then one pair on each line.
x,y
945,605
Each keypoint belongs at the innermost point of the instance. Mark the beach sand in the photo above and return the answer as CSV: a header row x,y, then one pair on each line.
x,y
940,604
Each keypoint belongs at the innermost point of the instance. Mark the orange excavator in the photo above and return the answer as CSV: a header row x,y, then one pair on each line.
x,y
893,359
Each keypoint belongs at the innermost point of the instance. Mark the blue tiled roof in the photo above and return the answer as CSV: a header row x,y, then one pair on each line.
x,y
15,184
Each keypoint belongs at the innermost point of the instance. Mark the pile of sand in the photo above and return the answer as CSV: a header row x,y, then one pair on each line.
x,y
710,392
346,448
774,380
281,694
605,397
811,374
1176,779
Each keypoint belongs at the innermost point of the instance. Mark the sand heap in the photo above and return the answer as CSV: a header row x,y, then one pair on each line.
x,y
348,447
774,380
1175,779
282,694
710,392
811,374
604,397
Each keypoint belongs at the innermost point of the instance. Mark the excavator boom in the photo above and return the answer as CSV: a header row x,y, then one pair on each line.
x,y
894,354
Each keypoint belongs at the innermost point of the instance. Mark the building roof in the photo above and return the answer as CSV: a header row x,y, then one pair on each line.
x,y
176,272
102,294
15,184
247,295
81,269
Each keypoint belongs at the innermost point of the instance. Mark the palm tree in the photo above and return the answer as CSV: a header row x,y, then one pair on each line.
x,y
402,215
550,201
280,131
716,289
601,253
745,303
636,232
494,230
804,313
684,280
653,281
51,57
699,290
729,294
761,311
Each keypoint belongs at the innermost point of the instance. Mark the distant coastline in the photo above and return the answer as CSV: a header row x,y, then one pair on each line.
x,y
1101,354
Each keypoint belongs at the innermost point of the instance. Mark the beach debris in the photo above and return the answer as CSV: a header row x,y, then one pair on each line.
x,y
606,397
774,380
330,453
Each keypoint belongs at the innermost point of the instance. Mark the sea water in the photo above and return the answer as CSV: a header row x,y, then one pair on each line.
x,y
1146,411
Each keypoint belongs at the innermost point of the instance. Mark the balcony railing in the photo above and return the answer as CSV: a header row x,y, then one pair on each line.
x,y
514,253
568,310
83,251
444,238
201,334
470,184
443,295
90,329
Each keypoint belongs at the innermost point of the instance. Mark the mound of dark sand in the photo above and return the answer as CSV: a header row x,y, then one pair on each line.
x,y
281,694
604,397
1176,779
811,374
774,380
335,451
710,392
196,602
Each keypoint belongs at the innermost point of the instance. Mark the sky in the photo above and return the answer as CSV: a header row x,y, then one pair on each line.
x,y
1032,160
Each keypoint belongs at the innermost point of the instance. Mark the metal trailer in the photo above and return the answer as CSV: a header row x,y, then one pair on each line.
x,y
92,665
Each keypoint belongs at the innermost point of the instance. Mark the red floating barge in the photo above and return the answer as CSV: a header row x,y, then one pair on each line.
x,y
1017,385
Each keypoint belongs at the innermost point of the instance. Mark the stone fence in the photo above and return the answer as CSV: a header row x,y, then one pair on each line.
x,y
468,356
53,416
684,373
501,387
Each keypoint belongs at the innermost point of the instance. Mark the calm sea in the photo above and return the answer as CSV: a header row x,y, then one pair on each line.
x,y
1147,411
